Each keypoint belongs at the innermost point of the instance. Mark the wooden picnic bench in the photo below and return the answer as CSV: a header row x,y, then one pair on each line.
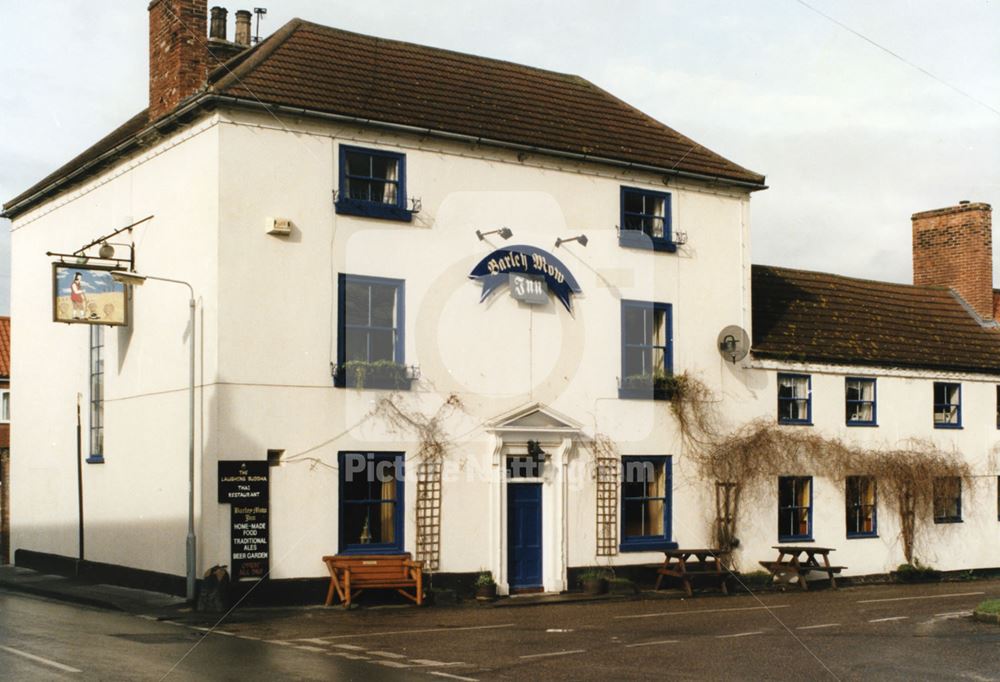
x,y
350,574
789,563
688,564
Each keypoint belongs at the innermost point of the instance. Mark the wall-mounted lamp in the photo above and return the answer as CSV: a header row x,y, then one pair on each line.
x,y
106,251
503,232
579,238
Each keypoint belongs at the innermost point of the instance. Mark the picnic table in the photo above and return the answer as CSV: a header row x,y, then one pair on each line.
x,y
688,564
800,560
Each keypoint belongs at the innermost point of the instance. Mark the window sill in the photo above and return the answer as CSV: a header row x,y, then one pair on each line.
x,y
785,422
947,426
644,394
95,459
869,424
634,239
646,545
372,209
795,538
371,549
944,521
861,536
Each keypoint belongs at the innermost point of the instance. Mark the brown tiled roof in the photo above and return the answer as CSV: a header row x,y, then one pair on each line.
x,y
4,347
322,69
818,317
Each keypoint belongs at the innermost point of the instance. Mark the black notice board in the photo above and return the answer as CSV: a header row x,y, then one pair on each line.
x,y
245,486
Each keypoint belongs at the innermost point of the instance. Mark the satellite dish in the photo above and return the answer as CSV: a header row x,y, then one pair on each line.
x,y
733,343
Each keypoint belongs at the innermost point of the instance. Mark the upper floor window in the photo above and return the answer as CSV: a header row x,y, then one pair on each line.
x,y
794,399
371,502
4,406
861,506
372,183
647,350
646,502
794,508
370,320
96,394
947,405
645,220
859,397
947,499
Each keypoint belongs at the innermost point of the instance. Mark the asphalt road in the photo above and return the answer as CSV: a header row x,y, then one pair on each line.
x,y
884,632
44,640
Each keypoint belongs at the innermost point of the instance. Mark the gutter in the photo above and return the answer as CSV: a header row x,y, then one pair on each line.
x,y
211,98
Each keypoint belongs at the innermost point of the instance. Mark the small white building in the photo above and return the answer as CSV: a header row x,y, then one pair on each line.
x,y
439,302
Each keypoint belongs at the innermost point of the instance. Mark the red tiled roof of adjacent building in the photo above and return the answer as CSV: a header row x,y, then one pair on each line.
x,y
327,70
818,317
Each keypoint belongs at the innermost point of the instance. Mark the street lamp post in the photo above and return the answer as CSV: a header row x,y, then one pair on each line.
x,y
136,279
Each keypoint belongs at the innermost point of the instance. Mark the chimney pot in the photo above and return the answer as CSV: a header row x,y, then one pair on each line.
x,y
953,247
963,202
218,26
242,36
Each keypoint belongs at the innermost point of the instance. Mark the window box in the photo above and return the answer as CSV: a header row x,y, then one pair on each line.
x,y
795,399
370,331
859,400
947,405
645,220
795,510
371,504
647,351
372,184
646,504
381,374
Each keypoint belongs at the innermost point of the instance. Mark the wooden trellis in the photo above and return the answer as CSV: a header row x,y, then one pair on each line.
x,y
429,514
607,471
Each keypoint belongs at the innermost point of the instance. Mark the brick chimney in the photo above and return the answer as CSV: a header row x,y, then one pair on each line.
x,y
178,59
953,247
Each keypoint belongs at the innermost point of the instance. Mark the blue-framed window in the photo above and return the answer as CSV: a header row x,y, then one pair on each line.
x,y
794,399
371,502
370,324
96,395
645,220
862,507
372,184
860,401
948,499
795,510
947,405
647,350
646,503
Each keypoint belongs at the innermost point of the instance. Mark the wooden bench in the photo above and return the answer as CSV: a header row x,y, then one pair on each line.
x,y
780,568
350,574
688,564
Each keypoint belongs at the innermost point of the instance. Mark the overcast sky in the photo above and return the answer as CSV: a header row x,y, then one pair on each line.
x,y
851,138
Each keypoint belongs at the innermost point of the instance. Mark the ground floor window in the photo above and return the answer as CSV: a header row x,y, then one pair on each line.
x,y
794,508
646,502
947,499
371,502
861,509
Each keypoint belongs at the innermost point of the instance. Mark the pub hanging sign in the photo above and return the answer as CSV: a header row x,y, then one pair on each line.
x,y
528,271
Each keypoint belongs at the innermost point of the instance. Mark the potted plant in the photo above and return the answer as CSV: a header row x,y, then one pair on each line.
x,y
594,581
486,587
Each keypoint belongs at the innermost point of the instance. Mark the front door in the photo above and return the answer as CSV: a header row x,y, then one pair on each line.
x,y
524,536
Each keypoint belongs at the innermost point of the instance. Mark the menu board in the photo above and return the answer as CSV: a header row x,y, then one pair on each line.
x,y
245,486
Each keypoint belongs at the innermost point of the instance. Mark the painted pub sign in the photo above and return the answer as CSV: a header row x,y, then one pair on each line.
x,y
87,294
528,271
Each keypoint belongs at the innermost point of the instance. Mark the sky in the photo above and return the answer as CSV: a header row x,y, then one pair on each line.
x,y
858,119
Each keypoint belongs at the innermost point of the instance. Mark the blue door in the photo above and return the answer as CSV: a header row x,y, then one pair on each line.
x,y
524,535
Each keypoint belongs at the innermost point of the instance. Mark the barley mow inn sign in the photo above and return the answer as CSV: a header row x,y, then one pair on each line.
x,y
244,486
528,271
